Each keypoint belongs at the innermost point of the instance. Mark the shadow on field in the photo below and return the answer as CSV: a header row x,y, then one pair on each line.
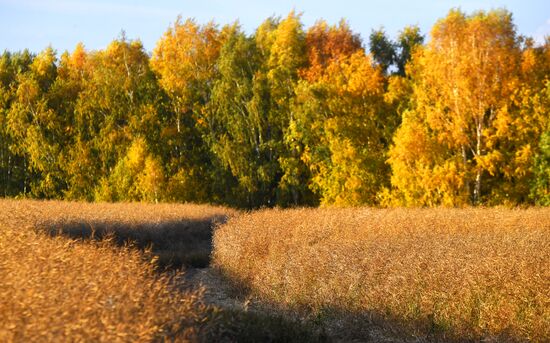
x,y
188,243
249,326
340,324
374,326
175,243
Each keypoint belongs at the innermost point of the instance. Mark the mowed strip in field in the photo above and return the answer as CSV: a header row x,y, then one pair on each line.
x,y
436,274
55,288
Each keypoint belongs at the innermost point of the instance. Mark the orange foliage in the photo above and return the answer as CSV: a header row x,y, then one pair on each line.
x,y
326,44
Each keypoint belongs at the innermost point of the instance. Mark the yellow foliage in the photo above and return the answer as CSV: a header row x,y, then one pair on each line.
x,y
43,63
151,180
472,112
135,156
343,147
78,58
185,56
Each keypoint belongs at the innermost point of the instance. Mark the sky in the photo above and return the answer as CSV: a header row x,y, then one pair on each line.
x,y
35,24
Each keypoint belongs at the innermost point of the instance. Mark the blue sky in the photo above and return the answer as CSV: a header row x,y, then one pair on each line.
x,y
35,24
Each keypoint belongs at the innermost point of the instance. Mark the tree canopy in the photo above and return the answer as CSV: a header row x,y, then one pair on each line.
x,y
285,116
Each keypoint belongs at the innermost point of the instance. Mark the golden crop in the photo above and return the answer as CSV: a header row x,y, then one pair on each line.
x,y
55,288
178,234
443,274
68,273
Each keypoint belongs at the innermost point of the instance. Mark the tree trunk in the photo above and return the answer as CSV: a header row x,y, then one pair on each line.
x,y
467,181
477,189
477,186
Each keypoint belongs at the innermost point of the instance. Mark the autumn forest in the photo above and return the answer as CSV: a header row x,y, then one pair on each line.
x,y
285,116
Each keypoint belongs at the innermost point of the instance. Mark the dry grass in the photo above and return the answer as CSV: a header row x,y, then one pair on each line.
x,y
440,274
56,288
68,274
178,234
473,274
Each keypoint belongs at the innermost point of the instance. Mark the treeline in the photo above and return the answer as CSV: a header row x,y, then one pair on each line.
x,y
285,116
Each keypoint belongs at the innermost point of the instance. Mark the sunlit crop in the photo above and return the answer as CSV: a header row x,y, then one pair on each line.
x,y
441,273
57,288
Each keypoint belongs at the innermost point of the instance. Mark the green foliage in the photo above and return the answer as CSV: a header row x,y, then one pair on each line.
x,y
407,42
541,185
239,131
286,57
382,49
14,176
284,117
342,131
37,127
120,102
388,54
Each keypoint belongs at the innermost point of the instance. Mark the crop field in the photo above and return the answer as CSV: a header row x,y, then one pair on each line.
x,y
142,272
62,289
417,274
117,273
177,234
